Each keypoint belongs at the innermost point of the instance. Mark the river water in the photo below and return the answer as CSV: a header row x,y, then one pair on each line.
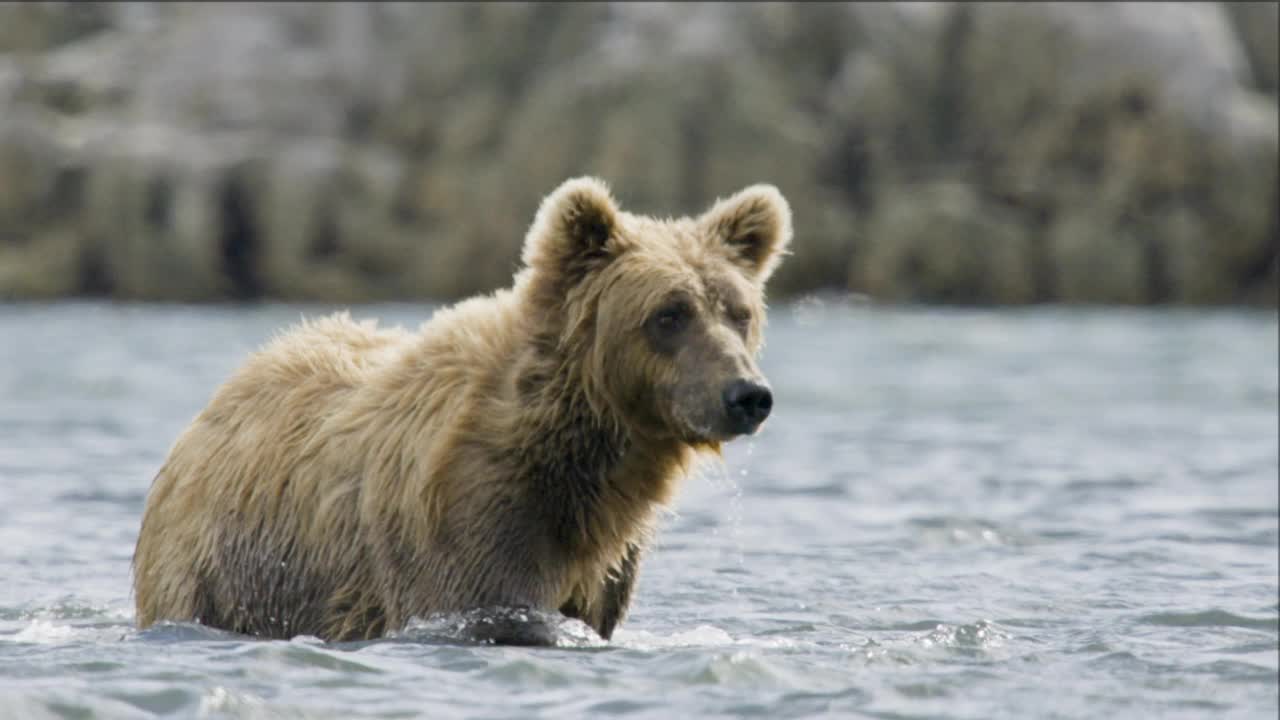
x,y
952,513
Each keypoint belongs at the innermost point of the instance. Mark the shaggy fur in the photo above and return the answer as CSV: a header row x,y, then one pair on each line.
x,y
511,453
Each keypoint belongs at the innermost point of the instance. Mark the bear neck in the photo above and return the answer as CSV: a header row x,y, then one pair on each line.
x,y
595,481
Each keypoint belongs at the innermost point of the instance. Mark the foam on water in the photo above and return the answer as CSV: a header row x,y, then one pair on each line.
x,y
40,631
702,636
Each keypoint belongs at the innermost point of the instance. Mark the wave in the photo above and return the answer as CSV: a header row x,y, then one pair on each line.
x,y
1213,617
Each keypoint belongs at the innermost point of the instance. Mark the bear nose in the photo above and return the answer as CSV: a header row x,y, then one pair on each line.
x,y
748,404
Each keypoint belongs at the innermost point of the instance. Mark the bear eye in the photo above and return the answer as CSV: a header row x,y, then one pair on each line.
x,y
740,317
672,318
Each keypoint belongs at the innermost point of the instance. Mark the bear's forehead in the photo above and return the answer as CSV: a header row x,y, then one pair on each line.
x,y
678,240
668,257
664,231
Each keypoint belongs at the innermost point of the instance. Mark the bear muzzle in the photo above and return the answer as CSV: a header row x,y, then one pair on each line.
x,y
746,405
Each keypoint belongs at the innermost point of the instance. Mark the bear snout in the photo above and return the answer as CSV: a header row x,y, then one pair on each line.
x,y
747,404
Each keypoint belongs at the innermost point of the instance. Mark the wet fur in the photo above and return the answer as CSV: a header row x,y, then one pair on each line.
x,y
512,452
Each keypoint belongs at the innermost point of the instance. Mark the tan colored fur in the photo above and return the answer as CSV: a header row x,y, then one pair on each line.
x,y
512,451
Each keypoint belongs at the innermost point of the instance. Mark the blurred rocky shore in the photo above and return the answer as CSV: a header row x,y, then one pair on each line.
x,y
933,152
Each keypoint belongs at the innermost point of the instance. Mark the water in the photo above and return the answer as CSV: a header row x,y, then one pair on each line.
x,y
961,514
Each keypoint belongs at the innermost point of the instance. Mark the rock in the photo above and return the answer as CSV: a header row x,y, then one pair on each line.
x,y
934,151
679,110
1097,258
1109,128
155,213
47,266
31,27
1255,24
40,252
940,243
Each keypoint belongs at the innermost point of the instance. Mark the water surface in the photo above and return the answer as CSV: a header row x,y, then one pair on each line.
x,y
951,514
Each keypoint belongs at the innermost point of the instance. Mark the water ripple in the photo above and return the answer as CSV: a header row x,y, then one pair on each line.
x,y
972,514
1210,618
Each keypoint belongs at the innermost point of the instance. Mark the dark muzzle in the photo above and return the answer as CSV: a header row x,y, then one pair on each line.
x,y
747,405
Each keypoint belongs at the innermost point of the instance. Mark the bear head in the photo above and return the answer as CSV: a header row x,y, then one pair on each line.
x,y
663,317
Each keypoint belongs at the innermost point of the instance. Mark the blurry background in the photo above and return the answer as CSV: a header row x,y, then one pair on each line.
x,y
932,152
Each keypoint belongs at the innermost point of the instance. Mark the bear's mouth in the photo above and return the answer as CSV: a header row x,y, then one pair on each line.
x,y
705,424
708,434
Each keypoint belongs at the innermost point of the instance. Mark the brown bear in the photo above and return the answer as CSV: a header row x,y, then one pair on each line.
x,y
511,453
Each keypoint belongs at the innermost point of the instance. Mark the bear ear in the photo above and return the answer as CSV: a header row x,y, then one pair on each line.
x,y
572,231
754,226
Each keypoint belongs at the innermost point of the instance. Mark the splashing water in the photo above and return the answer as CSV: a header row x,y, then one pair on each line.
x,y
727,526
734,519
